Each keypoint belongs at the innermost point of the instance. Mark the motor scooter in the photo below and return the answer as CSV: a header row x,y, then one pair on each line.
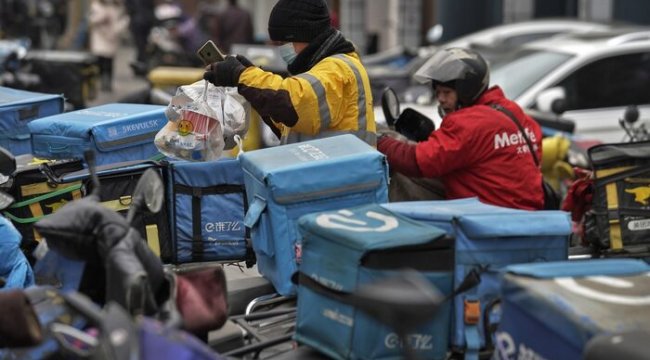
x,y
47,323
165,46
403,301
594,193
125,272
13,73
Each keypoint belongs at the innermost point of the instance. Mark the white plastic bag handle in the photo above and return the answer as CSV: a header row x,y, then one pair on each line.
x,y
240,144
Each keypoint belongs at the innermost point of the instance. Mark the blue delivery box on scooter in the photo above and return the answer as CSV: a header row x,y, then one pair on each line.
x,y
288,181
488,238
116,132
17,109
207,202
553,310
346,249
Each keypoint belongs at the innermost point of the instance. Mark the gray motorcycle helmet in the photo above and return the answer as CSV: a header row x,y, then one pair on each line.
x,y
464,70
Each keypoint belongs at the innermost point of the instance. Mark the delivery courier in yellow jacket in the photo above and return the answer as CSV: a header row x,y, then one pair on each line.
x,y
328,93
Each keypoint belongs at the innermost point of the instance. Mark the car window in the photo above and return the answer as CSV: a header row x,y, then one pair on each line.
x,y
519,70
615,81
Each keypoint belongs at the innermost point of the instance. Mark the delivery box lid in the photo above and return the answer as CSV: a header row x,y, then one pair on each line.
x,y
12,97
317,168
479,220
111,126
368,227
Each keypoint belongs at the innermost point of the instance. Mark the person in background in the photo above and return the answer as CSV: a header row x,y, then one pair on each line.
x,y
188,31
142,20
478,151
75,36
334,14
328,92
106,21
233,26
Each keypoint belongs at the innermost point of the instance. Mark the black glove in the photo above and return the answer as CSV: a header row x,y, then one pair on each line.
x,y
244,60
224,73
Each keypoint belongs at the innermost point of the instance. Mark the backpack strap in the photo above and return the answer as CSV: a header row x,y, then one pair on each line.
x,y
197,193
472,335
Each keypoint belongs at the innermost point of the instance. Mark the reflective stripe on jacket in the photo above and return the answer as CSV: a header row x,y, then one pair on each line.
x,y
333,98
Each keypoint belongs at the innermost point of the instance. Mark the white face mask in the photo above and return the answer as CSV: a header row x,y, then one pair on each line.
x,y
288,53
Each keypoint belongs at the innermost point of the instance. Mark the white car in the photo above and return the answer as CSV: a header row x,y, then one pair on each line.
x,y
395,67
596,75
508,36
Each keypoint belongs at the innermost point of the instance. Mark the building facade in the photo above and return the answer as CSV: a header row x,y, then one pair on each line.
x,y
375,25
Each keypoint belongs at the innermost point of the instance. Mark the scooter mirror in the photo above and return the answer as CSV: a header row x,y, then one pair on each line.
x,y
7,162
631,114
148,191
434,34
390,106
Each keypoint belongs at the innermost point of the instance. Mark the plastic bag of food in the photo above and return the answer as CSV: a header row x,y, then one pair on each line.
x,y
202,121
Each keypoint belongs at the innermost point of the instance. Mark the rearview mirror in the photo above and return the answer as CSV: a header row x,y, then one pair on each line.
x,y
552,100
390,106
148,191
631,114
434,34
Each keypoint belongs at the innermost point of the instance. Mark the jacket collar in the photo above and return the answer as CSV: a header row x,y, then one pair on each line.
x,y
490,96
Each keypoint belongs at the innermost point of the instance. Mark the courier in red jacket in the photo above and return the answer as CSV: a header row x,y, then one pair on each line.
x,y
478,150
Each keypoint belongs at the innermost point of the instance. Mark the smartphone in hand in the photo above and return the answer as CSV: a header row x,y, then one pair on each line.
x,y
210,53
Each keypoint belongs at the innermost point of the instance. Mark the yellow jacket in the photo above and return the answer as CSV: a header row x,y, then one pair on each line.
x,y
332,98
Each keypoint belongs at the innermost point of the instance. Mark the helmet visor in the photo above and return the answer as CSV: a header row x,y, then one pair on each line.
x,y
444,66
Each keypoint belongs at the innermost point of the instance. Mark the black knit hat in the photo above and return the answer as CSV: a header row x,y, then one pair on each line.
x,y
298,20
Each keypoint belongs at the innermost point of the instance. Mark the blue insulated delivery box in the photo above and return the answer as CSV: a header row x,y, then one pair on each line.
x,y
17,109
551,310
117,185
345,249
117,133
207,203
487,239
288,181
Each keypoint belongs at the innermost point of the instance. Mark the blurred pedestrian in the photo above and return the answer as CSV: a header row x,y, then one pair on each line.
x,y
328,93
75,36
142,20
107,21
188,31
234,26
